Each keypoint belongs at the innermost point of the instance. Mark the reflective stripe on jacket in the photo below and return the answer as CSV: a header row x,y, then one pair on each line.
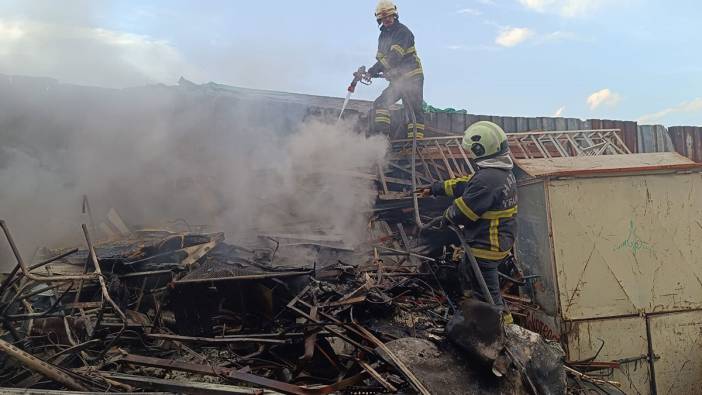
x,y
396,55
486,204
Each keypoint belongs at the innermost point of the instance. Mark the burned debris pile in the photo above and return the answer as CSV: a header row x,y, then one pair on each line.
x,y
188,312
144,312
182,310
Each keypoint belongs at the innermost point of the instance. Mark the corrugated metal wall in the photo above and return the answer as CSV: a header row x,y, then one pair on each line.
x,y
687,140
654,138
455,123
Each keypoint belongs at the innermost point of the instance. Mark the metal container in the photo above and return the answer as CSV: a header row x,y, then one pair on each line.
x,y
615,243
673,341
614,339
676,342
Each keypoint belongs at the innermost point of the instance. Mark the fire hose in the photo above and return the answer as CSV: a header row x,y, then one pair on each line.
x,y
467,254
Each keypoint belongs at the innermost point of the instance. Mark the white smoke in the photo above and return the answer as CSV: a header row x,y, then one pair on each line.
x,y
158,154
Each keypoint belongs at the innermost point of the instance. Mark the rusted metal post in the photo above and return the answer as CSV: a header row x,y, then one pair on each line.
x,y
415,200
87,210
42,367
103,287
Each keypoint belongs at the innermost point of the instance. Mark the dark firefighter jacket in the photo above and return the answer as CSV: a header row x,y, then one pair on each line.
x,y
396,56
486,204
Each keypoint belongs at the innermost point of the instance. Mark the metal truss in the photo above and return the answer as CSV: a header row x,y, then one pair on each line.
x,y
558,144
442,158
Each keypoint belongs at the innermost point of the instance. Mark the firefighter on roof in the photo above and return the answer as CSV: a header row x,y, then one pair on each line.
x,y
398,62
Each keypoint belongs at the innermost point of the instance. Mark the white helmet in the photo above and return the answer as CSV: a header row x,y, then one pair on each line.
x,y
385,8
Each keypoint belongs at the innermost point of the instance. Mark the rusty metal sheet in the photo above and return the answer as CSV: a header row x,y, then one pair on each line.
x,y
585,165
687,140
622,339
627,245
677,339
654,138
544,324
453,122
457,122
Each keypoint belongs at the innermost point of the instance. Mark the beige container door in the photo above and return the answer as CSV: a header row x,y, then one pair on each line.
x,y
677,341
624,338
627,245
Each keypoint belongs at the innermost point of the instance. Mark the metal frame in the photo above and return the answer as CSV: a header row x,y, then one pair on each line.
x,y
558,144
413,163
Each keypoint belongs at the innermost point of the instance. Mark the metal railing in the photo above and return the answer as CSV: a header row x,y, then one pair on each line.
x,y
557,144
442,158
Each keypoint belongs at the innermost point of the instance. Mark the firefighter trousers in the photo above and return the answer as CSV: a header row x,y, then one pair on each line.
x,y
411,91
492,280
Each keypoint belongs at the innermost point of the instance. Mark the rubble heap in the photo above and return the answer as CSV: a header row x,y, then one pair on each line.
x,y
188,312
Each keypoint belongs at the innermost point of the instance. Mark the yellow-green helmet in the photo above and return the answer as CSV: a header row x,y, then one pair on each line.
x,y
485,139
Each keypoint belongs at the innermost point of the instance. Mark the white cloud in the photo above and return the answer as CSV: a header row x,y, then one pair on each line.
x,y
559,112
536,5
565,8
469,11
603,97
87,55
691,106
511,36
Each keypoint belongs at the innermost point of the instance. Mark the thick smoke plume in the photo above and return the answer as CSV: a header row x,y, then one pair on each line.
x,y
240,163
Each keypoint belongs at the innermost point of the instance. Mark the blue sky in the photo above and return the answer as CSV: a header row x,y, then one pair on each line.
x,y
620,59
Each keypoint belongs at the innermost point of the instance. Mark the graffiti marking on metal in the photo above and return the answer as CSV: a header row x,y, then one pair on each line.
x,y
633,242
536,325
